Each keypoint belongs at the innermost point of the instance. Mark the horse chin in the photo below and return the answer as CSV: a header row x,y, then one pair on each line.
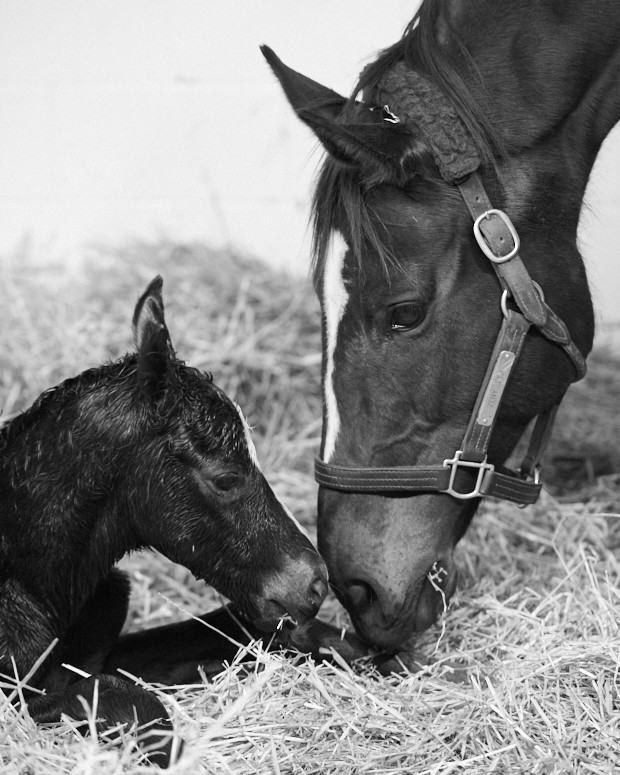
x,y
269,615
267,618
373,631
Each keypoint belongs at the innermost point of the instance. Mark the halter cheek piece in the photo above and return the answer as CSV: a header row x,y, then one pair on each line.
x,y
457,158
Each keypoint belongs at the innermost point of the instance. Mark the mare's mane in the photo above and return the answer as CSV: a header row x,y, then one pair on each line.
x,y
341,190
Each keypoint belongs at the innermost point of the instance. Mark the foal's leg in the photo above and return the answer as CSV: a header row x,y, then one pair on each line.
x,y
94,633
112,702
179,653
185,651
85,646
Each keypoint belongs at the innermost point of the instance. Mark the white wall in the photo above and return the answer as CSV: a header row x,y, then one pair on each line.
x,y
130,118
133,117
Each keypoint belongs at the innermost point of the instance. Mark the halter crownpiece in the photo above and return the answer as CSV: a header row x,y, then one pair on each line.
x,y
418,101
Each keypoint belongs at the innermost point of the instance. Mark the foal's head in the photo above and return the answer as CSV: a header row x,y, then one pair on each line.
x,y
148,452
200,496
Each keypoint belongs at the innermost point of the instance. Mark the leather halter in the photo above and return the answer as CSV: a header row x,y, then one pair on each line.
x,y
499,241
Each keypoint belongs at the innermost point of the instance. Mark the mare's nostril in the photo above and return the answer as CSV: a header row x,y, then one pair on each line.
x,y
317,592
361,595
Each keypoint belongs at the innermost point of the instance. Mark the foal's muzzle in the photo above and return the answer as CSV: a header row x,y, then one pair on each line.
x,y
292,595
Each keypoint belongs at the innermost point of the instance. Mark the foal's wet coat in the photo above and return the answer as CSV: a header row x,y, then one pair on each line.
x,y
143,452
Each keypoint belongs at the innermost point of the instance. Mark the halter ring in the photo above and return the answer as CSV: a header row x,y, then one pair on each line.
x,y
507,295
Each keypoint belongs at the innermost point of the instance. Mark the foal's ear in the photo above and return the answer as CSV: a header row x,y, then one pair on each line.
x,y
152,340
364,136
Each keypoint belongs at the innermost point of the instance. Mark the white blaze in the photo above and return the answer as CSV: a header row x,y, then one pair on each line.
x,y
248,437
254,458
335,299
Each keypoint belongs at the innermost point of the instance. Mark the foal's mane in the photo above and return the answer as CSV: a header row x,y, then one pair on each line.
x,y
341,190
116,373
117,380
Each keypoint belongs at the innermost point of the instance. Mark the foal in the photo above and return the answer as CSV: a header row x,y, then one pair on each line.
x,y
143,452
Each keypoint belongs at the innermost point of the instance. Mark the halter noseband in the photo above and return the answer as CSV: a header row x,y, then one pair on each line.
x,y
456,156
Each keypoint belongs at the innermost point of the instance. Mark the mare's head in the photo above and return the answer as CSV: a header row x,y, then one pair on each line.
x,y
411,312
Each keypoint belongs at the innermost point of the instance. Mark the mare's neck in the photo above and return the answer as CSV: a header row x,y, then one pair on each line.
x,y
537,64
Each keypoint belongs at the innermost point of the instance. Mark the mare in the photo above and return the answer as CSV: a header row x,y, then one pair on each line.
x,y
143,452
481,106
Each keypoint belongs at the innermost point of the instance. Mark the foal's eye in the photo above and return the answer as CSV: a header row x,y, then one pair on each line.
x,y
226,482
406,316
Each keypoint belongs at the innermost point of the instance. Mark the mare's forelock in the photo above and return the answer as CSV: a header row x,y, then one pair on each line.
x,y
341,195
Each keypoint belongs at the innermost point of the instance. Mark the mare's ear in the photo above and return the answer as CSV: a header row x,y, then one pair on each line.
x,y
362,135
152,340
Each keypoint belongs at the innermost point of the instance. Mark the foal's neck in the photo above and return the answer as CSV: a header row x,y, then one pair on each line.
x,y
61,523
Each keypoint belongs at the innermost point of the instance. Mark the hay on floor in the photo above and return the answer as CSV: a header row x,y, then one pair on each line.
x,y
523,677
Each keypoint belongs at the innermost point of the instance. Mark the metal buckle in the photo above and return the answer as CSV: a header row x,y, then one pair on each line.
x,y
484,245
454,464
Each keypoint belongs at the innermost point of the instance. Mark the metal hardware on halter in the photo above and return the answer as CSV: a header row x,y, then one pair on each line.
x,y
504,302
495,215
454,463
494,389
507,295
390,117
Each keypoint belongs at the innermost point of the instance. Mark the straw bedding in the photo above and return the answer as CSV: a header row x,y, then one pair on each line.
x,y
523,674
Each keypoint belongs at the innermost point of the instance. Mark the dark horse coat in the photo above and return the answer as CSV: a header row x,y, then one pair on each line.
x,y
482,105
143,452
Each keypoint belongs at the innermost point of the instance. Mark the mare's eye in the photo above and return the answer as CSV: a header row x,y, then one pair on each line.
x,y
406,316
226,482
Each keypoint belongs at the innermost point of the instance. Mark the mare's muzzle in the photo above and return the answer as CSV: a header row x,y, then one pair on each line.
x,y
391,560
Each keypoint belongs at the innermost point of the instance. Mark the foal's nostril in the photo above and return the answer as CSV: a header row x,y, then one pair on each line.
x,y
361,595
